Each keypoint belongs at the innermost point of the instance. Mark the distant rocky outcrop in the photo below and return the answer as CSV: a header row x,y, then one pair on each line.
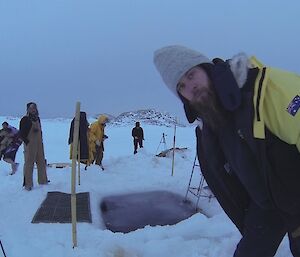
x,y
109,116
148,116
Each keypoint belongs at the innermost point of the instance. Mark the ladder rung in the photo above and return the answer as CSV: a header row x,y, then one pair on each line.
x,y
200,195
193,193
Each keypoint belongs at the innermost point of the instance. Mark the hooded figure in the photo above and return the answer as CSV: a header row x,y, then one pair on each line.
x,y
255,179
31,134
97,137
83,137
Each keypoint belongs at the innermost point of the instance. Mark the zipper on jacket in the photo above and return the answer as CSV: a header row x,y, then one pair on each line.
x,y
259,93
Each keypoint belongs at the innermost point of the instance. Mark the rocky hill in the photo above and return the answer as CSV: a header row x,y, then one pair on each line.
x,y
148,116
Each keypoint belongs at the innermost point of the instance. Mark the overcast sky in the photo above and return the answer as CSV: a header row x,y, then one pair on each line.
x,y
57,52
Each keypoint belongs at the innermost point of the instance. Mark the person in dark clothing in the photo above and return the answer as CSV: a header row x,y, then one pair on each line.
x,y
138,136
31,134
254,179
83,138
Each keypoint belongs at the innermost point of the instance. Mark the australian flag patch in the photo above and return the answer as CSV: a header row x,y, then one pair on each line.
x,y
294,106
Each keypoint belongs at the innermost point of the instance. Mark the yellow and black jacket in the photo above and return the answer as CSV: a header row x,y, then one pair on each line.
x,y
276,103
253,155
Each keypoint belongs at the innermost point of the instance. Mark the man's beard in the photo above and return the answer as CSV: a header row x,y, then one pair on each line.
x,y
34,116
207,107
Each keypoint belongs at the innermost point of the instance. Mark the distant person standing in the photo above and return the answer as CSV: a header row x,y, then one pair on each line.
x,y
138,136
31,134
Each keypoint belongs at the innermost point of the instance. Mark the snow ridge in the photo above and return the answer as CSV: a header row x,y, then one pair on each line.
x,y
146,116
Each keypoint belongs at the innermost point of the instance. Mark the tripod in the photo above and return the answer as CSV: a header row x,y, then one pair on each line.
x,y
162,141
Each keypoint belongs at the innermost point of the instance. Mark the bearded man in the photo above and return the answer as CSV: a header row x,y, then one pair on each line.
x,y
254,178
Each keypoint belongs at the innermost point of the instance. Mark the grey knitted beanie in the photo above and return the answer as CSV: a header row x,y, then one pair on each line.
x,y
172,62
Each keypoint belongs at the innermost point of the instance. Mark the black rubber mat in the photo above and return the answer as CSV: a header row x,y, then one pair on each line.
x,y
56,208
125,213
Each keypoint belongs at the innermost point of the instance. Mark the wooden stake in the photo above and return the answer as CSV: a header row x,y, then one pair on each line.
x,y
73,179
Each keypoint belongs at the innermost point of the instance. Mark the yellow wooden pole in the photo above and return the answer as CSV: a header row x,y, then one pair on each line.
x,y
173,156
73,178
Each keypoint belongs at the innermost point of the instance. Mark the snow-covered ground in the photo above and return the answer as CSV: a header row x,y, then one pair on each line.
x,y
124,172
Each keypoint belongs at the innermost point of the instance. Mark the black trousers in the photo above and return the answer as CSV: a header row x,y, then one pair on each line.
x,y
136,143
99,154
263,232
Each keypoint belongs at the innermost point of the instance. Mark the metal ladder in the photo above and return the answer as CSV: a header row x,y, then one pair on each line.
x,y
197,191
